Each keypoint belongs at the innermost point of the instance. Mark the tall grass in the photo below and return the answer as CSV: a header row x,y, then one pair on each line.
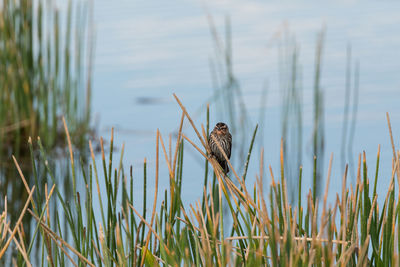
x,y
349,130
292,111
43,74
318,137
266,229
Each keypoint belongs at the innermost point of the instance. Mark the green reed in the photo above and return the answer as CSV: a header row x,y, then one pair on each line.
x,y
42,76
266,230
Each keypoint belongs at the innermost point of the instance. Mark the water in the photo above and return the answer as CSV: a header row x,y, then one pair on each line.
x,y
149,50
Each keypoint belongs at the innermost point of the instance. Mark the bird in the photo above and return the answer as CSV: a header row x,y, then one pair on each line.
x,y
224,138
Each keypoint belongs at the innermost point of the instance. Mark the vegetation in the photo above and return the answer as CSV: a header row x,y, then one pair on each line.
x,y
266,229
41,72
45,73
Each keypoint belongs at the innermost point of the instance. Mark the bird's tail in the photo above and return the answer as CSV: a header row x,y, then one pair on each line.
x,y
225,166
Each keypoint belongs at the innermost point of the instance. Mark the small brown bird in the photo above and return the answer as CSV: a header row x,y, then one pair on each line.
x,y
224,138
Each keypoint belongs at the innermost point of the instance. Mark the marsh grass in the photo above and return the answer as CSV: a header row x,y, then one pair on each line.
x,y
43,58
291,110
45,73
266,229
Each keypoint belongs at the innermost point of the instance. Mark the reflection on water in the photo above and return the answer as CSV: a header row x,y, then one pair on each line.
x,y
145,100
12,186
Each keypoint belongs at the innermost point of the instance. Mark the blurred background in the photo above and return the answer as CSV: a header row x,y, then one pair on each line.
x,y
320,75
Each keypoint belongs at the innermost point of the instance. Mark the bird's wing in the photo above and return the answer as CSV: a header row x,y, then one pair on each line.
x,y
209,140
229,145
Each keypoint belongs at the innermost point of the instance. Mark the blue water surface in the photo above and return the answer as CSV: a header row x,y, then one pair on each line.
x,y
148,50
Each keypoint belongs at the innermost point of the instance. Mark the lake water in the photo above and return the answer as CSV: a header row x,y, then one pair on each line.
x,y
148,50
